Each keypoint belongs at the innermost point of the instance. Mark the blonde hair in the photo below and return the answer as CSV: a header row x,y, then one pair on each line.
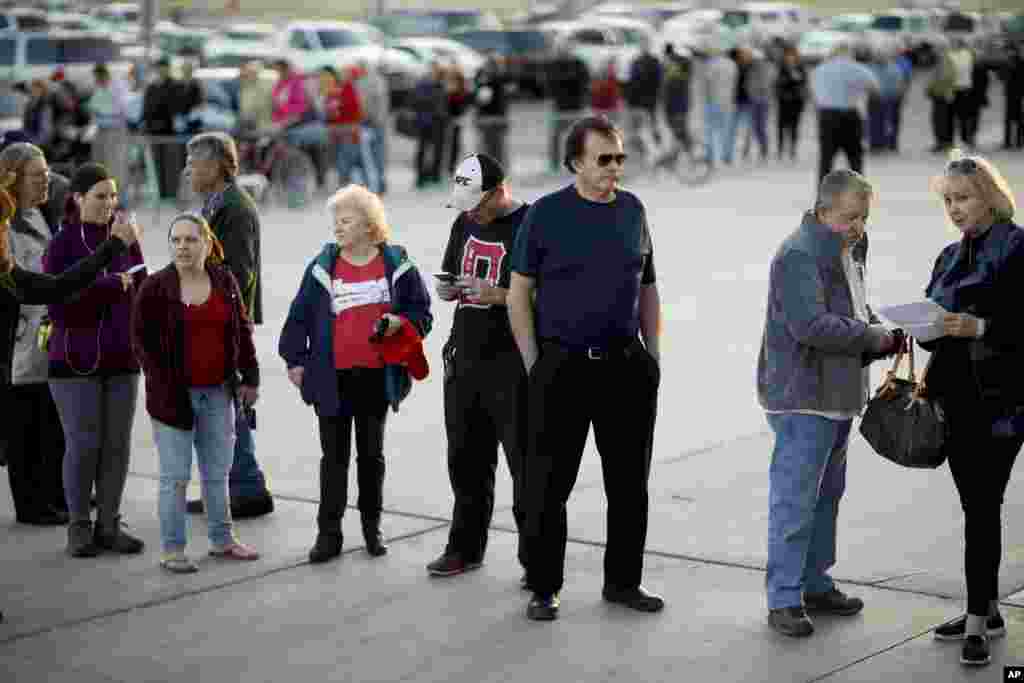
x,y
985,178
367,203
216,255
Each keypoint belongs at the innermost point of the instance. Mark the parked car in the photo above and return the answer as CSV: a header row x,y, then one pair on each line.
x,y
913,28
408,23
74,21
523,54
120,17
446,50
761,23
23,19
697,31
971,26
173,39
310,45
655,15
849,29
24,56
594,43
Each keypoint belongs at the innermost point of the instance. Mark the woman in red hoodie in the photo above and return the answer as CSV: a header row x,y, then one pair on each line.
x,y
344,112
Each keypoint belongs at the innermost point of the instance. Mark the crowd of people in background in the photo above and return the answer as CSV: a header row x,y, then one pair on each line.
x,y
753,102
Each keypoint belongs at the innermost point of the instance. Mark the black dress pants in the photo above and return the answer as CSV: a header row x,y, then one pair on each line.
x,y
567,392
363,390
429,153
789,125
981,465
484,404
942,122
840,130
35,450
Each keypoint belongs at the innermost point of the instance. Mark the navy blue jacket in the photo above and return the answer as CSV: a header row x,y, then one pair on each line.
x,y
307,339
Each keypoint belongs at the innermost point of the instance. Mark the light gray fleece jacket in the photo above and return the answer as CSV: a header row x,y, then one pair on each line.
x,y
813,347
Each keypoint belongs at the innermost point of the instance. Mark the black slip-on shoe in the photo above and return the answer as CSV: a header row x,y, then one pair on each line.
x,y
195,507
80,540
638,598
791,621
117,539
251,506
543,607
995,627
832,602
47,516
975,652
327,547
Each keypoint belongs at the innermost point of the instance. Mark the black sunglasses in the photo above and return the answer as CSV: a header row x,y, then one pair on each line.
x,y
965,166
605,159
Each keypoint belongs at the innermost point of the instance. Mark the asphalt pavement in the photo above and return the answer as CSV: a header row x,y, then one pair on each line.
x,y
365,619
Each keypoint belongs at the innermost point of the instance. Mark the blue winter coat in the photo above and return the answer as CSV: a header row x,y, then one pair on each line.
x,y
307,339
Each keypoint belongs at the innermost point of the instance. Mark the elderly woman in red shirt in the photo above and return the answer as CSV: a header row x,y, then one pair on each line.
x,y
193,338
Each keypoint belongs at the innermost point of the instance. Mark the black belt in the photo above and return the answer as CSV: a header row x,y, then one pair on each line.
x,y
620,351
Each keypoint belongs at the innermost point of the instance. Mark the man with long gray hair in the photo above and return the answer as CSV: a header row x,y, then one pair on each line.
x,y
213,167
812,380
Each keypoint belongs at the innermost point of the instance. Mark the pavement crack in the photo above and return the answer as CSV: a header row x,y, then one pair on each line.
x,y
872,655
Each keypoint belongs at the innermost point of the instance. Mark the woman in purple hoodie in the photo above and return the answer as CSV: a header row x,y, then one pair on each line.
x,y
94,377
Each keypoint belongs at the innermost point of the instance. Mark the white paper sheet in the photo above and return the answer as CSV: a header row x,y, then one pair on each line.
x,y
920,319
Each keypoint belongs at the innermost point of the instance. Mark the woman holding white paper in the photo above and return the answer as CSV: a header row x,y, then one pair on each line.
x,y
975,376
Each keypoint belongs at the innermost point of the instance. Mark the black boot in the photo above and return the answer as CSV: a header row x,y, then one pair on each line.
x,y
327,547
371,534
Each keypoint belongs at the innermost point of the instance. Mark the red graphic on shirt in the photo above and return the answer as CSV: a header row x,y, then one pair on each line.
x,y
482,260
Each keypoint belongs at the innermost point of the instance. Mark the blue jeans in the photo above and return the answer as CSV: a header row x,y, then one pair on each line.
x,y
378,150
359,156
742,115
807,478
246,480
212,436
716,121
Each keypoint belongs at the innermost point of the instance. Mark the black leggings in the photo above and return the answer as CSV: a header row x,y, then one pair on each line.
x,y
362,391
981,467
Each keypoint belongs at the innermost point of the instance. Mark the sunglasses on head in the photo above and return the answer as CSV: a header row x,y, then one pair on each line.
x,y
605,159
964,166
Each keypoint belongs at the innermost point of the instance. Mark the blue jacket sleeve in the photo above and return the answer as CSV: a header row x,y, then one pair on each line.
x,y
414,301
298,332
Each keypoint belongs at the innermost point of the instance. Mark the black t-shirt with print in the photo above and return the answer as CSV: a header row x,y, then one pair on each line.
x,y
589,261
484,251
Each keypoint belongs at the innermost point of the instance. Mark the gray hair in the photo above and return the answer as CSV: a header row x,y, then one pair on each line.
x,y
17,154
216,146
840,182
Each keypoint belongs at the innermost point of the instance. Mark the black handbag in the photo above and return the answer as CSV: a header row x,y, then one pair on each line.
x,y
901,423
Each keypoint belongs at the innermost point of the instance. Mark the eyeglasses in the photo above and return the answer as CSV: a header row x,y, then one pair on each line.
x,y
605,159
965,166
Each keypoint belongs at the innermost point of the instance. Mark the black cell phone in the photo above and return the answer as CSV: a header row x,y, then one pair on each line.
x,y
482,269
447,278
249,413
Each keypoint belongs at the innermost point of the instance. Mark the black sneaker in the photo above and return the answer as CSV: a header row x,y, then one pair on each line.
x,y
248,507
975,652
833,602
451,565
195,507
995,627
791,621
543,607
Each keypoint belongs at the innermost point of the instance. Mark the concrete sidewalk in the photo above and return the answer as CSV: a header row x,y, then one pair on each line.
x,y
365,619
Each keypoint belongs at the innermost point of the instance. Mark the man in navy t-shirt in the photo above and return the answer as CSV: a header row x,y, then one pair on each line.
x,y
485,382
585,252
